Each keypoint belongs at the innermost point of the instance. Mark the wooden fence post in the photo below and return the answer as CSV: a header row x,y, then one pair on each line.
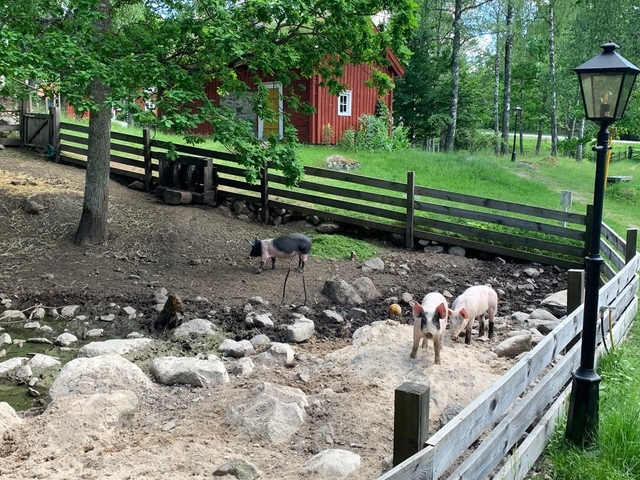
x,y
146,152
410,421
264,193
24,109
411,188
631,245
54,132
575,298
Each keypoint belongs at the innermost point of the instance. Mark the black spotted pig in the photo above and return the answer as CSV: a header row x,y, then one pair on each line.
x,y
474,302
430,322
285,246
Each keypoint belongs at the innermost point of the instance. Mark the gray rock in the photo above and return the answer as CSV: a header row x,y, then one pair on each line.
x,y
13,315
239,469
440,278
33,207
331,316
532,272
116,346
514,346
449,412
40,361
333,463
11,365
458,251
260,341
398,239
272,413
328,228
259,320
8,417
365,288
108,318
37,314
102,374
543,326
94,333
243,367
69,311
375,263
256,301
406,298
130,312
519,317
556,303
277,354
340,291
197,372
301,331
65,339
5,339
542,314
233,349
197,326
357,312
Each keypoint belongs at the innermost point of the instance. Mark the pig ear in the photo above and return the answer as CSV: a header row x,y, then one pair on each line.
x,y
417,309
441,310
450,312
464,313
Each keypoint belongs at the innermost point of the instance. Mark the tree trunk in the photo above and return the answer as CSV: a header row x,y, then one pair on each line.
x,y
552,83
93,222
539,138
496,97
508,47
580,145
455,78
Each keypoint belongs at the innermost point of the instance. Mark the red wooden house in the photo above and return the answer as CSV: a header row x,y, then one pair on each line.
x,y
341,112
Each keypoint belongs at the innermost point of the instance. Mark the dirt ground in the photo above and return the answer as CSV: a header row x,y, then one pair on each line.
x,y
200,253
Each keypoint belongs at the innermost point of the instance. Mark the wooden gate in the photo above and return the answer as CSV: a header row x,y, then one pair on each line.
x,y
35,130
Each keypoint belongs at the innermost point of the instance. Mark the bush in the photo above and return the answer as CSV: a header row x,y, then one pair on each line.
x,y
327,134
373,134
348,139
472,140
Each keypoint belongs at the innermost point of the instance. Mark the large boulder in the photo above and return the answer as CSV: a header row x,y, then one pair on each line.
x,y
197,372
340,291
103,374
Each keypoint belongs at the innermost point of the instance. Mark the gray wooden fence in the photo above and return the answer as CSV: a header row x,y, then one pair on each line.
x,y
410,211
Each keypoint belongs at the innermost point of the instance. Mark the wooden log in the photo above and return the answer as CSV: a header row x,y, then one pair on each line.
x,y
176,197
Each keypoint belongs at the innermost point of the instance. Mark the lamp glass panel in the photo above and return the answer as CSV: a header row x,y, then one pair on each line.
x,y
625,94
600,93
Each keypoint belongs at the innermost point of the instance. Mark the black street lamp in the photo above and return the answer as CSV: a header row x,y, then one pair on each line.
x,y
606,82
516,111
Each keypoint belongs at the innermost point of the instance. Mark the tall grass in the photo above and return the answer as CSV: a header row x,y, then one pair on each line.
x,y
617,455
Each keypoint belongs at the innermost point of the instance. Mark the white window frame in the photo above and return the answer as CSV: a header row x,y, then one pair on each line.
x,y
344,103
278,86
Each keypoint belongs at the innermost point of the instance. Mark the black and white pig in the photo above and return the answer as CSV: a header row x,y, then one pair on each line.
x,y
430,320
285,246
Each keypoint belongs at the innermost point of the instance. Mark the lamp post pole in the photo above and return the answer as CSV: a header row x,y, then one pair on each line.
x,y
582,421
606,82
517,110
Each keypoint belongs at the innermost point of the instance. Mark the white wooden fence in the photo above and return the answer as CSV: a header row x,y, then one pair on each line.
x,y
531,395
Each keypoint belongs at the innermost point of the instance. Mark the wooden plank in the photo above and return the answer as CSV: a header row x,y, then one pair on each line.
x,y
112,170
357,179
182,159
497,444
126,137
502,205
54,132
239,196
409,222
419,466
134,162
74,149
498,250
10,142
75,128
146,152
340,204
200,152
344,192
503,237
127,149
73,139
619,305
350,220
519,463
612,255
229,170
9,128
264,193
575,289
613,238
501,220
228,182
